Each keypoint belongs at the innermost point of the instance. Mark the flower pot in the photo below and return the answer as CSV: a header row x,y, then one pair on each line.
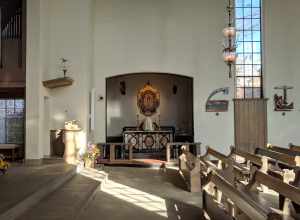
x,y
89,163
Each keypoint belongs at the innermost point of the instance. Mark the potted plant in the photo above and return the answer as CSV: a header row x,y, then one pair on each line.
x,y
3,165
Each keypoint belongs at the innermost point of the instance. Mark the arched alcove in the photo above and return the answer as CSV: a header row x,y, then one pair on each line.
x,y
175,109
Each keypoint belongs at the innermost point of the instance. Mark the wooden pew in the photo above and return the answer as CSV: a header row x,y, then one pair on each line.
x,y
189,169
244,205
270,161
280,158
291,175
231,170
283,150
289,192
294,147
286,190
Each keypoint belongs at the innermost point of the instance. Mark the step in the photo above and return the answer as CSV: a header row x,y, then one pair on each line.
x,y
23,187
67,202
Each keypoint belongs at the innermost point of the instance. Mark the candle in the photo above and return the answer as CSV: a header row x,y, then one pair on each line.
x,y
159,122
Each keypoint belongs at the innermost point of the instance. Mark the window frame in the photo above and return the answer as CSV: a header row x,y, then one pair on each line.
x,y
250,87
16,114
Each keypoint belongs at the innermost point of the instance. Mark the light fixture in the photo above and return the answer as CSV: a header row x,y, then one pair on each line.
x,y
229,51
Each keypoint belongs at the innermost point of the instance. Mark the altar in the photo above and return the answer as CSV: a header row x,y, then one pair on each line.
x,y
148,136
148,141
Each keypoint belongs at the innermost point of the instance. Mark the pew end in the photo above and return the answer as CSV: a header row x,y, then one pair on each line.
x,y
189,169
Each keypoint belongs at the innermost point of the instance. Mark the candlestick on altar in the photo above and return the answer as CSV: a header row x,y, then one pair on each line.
x,y
158,121
137,121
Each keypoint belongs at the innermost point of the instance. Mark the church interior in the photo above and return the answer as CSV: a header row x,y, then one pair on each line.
x,y
171,109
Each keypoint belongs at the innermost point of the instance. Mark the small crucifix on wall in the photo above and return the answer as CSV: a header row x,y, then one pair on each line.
x,y
281,102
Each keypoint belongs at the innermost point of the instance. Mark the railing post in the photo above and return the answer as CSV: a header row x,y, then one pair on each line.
x,y
168,152
112,154
130,148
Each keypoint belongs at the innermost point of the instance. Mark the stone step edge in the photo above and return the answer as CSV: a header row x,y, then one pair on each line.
x,y
33,199
91,197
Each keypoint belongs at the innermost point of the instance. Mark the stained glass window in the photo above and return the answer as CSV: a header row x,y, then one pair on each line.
x,y
249,83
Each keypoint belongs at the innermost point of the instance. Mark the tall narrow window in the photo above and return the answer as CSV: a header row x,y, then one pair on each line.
x,y
11,121
249,83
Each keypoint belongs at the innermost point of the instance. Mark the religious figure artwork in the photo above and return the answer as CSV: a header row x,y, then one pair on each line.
x,y
148,100
281,102
148,124
214,105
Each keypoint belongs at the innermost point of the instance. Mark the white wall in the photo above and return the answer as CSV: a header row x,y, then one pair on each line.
x,y
33,86
104,38
282,34
56,29
182,37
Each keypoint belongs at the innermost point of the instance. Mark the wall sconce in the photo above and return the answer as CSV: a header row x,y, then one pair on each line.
x,y
100,98
229,51
175,89
123,87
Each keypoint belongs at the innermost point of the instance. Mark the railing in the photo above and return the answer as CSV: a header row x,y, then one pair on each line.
x,y
122,151
115,151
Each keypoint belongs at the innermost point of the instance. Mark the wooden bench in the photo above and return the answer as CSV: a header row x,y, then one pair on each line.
x,y
284,150
235,197
289,175
294,147
232,170
275,164
237,205
289,192
189,169
279,158
12,148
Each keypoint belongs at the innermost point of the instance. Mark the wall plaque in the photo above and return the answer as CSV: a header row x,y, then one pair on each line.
x,y
213,105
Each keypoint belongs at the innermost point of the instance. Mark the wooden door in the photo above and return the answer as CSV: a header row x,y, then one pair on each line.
x,y
250,123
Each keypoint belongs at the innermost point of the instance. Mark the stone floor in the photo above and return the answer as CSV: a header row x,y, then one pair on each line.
x,y
65,203
141,193
22,181
129,193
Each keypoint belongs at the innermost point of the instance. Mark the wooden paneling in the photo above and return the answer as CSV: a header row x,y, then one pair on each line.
x,y
250,119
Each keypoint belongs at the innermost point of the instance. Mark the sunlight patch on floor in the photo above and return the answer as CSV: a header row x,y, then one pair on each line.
x,y
94,174
136,197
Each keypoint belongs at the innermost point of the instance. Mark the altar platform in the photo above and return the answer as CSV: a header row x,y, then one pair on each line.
x,y
145,163
48,191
